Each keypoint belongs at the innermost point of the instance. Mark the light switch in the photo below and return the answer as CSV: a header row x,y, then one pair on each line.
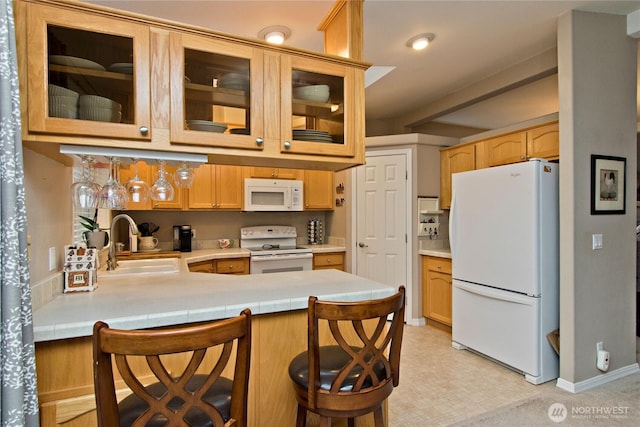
x,y
596,241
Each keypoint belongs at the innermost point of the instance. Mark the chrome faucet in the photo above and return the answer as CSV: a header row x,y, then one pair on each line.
x,y
112,262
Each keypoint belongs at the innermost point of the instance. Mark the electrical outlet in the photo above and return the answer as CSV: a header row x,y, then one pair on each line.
x,y
52,258
193,233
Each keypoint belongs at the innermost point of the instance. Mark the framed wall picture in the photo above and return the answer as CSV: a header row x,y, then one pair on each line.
x,y
608,185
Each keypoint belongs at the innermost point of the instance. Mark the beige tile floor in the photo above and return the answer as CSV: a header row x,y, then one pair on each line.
x,y
440,386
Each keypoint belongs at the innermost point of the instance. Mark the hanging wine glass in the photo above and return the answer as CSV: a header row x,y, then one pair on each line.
x,y
162,190
122,190
183,176
111,196
137,189
85,192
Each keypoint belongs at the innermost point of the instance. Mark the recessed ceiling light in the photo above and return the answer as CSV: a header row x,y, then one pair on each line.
x,y
420,41
275,34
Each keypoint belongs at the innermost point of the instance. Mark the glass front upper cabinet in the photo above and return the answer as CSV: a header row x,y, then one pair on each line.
x,y
94,77
316,99
213,87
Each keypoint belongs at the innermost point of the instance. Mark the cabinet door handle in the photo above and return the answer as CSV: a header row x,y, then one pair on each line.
x,y
144,130
259,140
287,144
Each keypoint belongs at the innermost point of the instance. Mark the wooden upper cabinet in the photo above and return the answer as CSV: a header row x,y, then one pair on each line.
x,y
216,187
312,123
318,190
72,54
544,142
538,142
454,160
511,148
273,173
184,89
215,79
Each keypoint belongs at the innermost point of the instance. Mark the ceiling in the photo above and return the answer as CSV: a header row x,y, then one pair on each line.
x,y
491,64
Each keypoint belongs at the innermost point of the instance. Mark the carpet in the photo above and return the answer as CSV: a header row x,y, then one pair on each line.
x,y
613,404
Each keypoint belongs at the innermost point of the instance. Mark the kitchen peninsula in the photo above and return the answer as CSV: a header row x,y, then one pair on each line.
x,y
278,301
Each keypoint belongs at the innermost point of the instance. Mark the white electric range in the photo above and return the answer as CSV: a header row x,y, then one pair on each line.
x,y
273,249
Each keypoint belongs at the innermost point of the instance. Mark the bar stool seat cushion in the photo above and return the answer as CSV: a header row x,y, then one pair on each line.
x,y
332,359
219,395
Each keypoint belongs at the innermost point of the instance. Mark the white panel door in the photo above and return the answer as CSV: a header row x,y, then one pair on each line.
x,y
381,225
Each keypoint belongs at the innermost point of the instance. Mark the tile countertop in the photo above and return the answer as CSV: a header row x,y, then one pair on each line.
x,y
319,249
207,254
442,252
170,299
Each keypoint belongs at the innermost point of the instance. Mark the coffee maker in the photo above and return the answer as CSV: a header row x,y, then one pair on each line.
x,y
182,238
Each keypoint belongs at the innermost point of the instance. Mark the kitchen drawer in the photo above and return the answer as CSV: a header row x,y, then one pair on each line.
x,y
328,260
201,267
232,266
441,265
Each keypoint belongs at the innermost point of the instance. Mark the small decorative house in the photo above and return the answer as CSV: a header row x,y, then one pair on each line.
x,y
80,268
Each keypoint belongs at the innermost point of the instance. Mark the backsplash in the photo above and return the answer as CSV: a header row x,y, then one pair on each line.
x,y
211,226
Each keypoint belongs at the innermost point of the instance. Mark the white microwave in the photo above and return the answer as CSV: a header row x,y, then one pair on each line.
x,y
272,195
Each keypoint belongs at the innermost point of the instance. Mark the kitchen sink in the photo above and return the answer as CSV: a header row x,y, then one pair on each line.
x,y
137,267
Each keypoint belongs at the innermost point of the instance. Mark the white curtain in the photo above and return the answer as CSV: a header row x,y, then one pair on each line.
x,y
18,387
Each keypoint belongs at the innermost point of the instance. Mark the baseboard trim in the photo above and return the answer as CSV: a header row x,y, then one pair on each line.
x,y
416,321
597,381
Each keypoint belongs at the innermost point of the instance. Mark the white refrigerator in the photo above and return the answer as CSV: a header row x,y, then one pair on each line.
x,y
505,253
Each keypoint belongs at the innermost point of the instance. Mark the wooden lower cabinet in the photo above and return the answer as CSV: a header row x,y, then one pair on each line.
x,y
328,260
221,266
65,375
436,291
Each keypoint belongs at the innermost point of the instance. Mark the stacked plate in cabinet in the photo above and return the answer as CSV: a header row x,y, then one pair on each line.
x,y
312,135
72,61
99,108
122,67
316,93
240,131
235,81
63,102
206,126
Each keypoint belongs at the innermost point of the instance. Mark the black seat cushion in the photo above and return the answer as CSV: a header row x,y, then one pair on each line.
x,y
219,395
332,360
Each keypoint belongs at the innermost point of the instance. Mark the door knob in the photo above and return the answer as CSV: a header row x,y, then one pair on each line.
x,y
362,245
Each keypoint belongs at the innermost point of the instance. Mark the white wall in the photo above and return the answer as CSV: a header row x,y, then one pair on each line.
x,y
49,221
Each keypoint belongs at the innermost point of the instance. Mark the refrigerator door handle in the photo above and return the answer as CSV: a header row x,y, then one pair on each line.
x,y
494,293
452,225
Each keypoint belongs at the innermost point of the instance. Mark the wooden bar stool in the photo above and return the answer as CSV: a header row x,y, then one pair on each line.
x,y
197,396
348,380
